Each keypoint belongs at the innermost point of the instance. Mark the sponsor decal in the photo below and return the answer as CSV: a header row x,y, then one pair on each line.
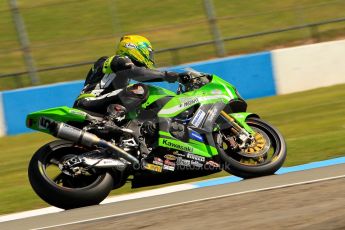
x,y
157,161
167,162
198,118
185,102
177,153
196,164
44,122
107,161
191,102
183,162
168,167
195,157
196,136
170,157
130,45
177,146
179,107
153,167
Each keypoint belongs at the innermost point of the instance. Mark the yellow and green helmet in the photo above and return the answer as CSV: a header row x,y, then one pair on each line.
x,y
138,49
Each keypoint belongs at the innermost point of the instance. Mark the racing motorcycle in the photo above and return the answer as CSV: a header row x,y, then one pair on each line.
x,y
203,126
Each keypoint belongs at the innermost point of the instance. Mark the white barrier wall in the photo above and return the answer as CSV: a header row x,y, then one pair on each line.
x,y
308,67
2,120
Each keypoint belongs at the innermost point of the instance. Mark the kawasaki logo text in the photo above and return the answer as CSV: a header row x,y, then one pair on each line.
x,y
177,146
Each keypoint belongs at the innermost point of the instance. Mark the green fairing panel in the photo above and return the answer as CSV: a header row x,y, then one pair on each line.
x,y
217,90
40,120
195,147
156,93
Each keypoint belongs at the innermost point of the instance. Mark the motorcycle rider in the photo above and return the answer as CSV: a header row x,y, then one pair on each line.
x,y
108,80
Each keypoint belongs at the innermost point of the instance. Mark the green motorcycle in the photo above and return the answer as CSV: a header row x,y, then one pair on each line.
x,y
202,127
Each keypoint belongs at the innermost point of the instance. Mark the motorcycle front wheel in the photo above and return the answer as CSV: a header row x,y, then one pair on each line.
x,y
61,189
264,157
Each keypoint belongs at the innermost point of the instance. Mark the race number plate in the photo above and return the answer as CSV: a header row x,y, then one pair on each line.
x,y
44,122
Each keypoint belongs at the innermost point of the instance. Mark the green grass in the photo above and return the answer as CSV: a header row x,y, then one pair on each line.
x,y
63,32
312,122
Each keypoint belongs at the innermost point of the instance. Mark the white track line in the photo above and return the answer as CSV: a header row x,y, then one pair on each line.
x,y
31,213
193,201
148,193
131,196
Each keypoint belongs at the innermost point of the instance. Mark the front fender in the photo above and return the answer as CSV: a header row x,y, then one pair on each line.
x,y
241,120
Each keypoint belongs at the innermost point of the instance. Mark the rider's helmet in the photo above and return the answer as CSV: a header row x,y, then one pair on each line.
x,y
138,49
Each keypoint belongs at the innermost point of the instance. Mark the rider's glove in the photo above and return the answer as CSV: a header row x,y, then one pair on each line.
x,y
184,77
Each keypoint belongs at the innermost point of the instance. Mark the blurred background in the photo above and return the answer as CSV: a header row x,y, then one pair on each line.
x,y
46,41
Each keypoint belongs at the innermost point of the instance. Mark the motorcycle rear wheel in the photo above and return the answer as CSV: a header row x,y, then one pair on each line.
x,y
64,191
267,164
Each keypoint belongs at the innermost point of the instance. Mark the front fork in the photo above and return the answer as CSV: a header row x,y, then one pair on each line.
x,y
240,128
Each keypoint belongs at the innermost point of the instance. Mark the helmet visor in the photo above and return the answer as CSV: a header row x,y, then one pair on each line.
x,y
151,55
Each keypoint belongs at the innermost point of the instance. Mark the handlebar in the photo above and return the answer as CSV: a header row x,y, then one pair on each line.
x,y
192,81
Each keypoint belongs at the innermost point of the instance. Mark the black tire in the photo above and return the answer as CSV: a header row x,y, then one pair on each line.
x,y
278,144
61,196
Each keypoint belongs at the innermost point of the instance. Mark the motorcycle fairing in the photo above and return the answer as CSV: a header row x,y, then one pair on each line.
x,y
41,120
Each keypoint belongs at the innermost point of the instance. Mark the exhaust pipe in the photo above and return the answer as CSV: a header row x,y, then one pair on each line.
x,y
67,132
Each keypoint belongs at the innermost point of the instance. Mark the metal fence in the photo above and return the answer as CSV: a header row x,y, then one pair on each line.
x,y
216,42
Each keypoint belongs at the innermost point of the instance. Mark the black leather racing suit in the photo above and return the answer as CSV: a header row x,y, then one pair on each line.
x,y
107,83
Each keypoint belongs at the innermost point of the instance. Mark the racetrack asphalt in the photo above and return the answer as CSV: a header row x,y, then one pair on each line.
x,y
310,199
